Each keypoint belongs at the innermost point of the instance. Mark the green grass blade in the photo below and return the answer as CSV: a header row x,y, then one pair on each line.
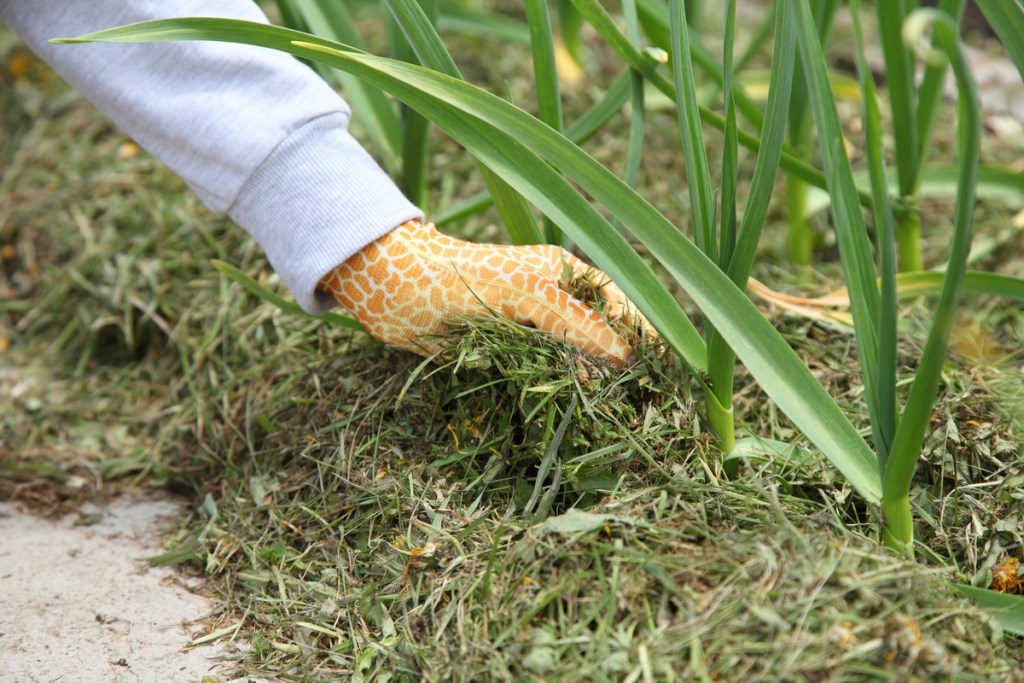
x,y
286,305
407,22
509,138
917,414
1007,610
902,96
420,32
418,27
545,74
800,236
885,240
698,176
1006,17
799,114
514,211
415,158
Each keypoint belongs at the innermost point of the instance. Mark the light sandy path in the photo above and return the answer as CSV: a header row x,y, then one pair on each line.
x,y
76,604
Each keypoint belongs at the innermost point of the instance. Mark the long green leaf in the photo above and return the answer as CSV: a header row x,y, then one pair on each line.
x,y
420,32
545,69
1007,610
418,27
913,285
415,128
655,17
605,25
799,113
730,151
508,138
899,76
377,113
721,359
800,236
581,130
855,250
885,239
938,181
917,413
1006,17
637,114
698,175
545,77
929,95
762,183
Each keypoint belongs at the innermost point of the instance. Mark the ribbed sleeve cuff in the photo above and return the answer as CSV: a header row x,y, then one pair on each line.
x,y
318,198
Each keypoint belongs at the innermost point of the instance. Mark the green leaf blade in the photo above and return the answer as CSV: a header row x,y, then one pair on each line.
x,y
1007,610
855,251
910,434
426,43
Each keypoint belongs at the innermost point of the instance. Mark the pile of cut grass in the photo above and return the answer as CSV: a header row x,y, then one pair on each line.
x,y
513,510
393,539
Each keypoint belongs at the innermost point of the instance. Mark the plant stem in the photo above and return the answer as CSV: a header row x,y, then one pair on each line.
x,y
898,531
799,241
908,240
720,417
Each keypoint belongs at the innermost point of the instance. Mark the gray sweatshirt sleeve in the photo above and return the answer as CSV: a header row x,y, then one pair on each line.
x,y
254,132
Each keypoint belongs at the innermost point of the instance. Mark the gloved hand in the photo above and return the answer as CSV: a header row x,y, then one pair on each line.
x,y
405,285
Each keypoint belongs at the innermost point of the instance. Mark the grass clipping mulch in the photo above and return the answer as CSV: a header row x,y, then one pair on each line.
x,y
517,510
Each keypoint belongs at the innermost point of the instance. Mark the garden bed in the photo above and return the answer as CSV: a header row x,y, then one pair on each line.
x,y
514,510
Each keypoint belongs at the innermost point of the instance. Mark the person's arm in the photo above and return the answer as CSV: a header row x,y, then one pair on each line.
x,y
260,136
254,132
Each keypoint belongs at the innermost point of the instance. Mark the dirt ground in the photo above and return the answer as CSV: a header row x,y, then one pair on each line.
x,y
79,604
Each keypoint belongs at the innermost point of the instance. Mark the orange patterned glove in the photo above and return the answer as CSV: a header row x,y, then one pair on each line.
x,y
404,286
